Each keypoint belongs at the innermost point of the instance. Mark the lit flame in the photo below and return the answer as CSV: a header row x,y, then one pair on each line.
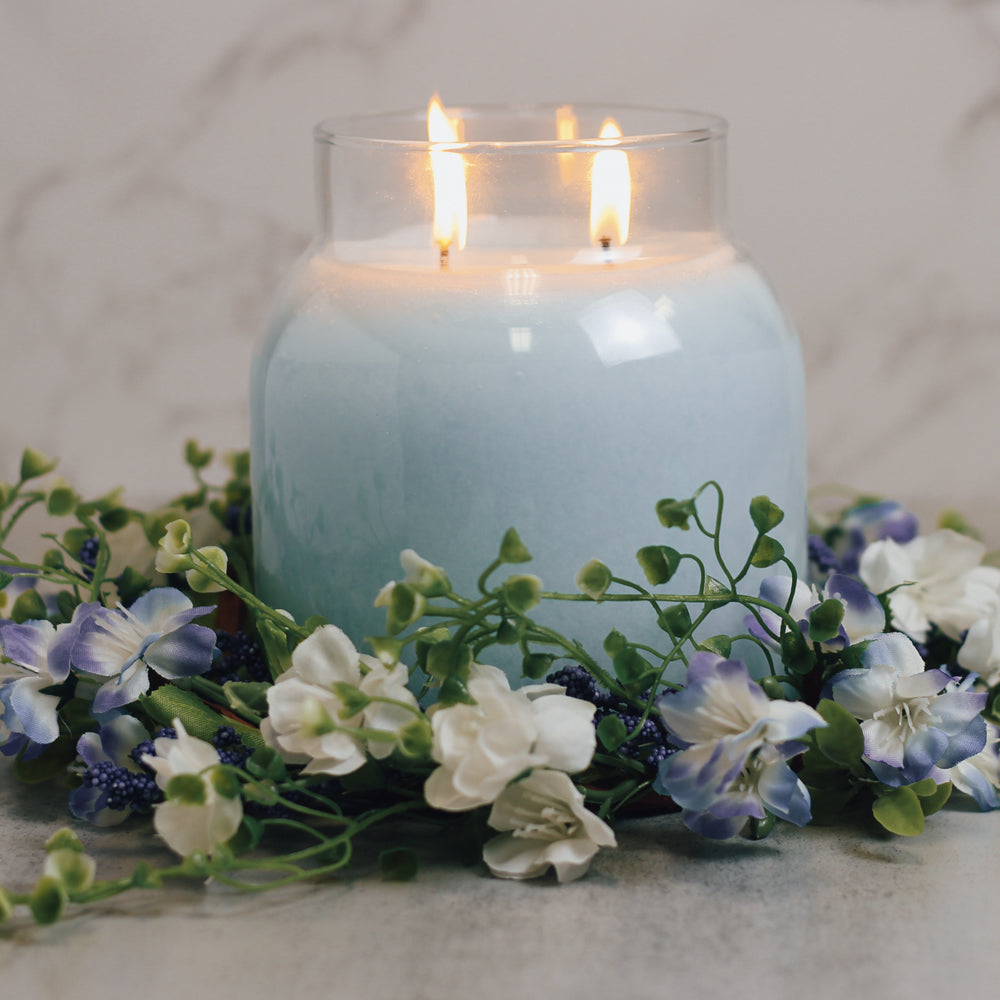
x,y
566,130
610,191
451,208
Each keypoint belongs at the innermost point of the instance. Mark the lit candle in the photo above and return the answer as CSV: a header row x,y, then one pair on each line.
x,y
561,375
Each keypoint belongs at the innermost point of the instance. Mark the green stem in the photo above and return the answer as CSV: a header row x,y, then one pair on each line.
x,y
253,602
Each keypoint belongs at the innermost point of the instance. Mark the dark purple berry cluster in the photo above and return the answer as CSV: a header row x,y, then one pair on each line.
x,y
240,659
230,747
239,520
87,555
579,684
649,745
122,788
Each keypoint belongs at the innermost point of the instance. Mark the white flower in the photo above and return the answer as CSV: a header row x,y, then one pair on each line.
x,y
916,723
549,827
980,652
192,819
483,747
306,721
947,585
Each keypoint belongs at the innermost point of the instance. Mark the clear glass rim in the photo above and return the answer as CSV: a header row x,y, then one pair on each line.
x,y
681,127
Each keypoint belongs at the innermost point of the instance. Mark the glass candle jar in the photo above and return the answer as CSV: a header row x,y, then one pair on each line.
x,y
552,367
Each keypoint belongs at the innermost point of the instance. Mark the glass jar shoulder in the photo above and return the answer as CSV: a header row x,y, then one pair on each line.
x,y
331,310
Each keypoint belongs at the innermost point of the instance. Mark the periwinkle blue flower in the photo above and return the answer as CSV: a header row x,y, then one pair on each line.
x,y
873,522
864,616
917,723
156,633
735,743
113,783
42,651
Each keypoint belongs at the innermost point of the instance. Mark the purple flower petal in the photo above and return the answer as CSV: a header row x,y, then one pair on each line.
x,y
123,690
182,653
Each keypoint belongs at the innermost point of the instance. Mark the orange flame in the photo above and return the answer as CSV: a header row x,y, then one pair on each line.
x,y
610,191
451,206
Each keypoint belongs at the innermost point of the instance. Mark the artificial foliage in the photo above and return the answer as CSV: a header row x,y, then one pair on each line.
x,y
141,672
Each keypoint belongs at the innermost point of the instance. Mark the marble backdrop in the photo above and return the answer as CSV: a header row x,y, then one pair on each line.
x,y
157,181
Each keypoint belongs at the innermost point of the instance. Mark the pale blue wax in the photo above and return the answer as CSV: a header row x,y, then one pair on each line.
x,y
397,408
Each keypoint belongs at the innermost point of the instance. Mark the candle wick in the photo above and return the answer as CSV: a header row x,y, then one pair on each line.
x,y
605,242
444,256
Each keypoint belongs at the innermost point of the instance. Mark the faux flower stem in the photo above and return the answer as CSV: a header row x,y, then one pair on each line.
x,y
254,603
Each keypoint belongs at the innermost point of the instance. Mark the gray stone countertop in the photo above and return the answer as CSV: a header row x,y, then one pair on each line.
x,y
812,914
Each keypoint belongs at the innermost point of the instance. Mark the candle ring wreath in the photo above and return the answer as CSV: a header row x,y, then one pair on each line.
x,y
141,672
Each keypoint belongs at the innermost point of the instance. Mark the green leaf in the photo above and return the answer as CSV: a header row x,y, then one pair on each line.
x,y
187,789
773,688
509,631
594,579
931,800
275,643
131,585
398,864
387,650
29,606
449,659
841,740
6,579
611,732
47,900
250,696
73,868
64,840
955,520
406,605
198,579
36,463
614,641
73,539
765,514
535,666
239,463
453,691
512,549
262,790
521,592
416,738
144,877
721,645
658,562
60,501
758,829
115,519
899,812
225,782
825,619
353,699
676,620
196,456
796,654
53,559
52,761
767,552
6,905
247,836
169,702
266,762
67,603
629,665
675,513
